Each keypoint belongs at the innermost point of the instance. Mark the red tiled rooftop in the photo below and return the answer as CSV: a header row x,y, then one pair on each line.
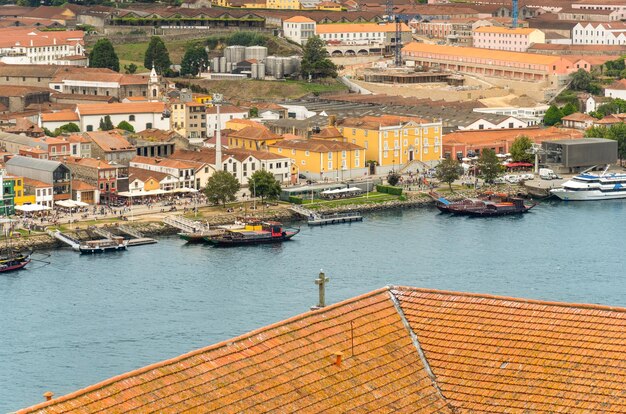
x,y
404,350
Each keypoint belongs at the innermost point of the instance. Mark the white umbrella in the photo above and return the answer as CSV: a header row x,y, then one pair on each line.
x,y
31,207
501,155
465,159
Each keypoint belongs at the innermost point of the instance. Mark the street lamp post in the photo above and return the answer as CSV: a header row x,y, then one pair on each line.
x,y
254,195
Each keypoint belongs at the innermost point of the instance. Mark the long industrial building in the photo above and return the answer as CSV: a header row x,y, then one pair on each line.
x,y
494,63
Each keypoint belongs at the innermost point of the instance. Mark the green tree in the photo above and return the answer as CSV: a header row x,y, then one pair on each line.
x,y
448,171
519,147
263,184
315,61
615,132
614,106
581,80
393,178
106,124
569,109
489,165
125,126
67,129
157,55
222,187
103,56
130,68
553,116
254,112
194,61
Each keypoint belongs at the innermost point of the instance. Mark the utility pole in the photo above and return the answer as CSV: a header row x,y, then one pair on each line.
x,y
321,282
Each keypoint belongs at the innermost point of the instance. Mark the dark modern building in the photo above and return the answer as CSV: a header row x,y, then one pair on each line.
x,y
574,155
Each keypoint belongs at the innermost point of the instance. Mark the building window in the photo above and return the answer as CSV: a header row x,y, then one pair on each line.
x,y
89,128
330,155
149,125
330,165
131,118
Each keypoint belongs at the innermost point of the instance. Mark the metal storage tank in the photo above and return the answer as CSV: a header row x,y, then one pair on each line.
x,y
254,68
215,64
256,52
261,71
296,60
270,65
222,65
279,70
235,54
288,67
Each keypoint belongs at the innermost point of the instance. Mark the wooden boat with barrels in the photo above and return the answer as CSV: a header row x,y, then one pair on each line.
x,y
253,233
488,205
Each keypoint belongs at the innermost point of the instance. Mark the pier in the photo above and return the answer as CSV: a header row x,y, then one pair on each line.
x,y
319,219
70,241
186,225
335,218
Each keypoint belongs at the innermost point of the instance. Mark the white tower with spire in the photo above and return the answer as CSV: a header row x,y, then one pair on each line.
x,y
153,85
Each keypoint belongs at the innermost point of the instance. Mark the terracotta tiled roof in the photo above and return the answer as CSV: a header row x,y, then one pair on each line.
x,y
89,162
226,109
608,120
620,85
163,162
316,145
255,133
121,108
358,27
81,186
109,141
578,117
144,175
505,30
282,368
479,137
35,183
497,354
403,350
60,116
299,19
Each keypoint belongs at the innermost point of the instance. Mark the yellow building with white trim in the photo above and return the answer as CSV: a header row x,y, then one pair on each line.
x,y
394,141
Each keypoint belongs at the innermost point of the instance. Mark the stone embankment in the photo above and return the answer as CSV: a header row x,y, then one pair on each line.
x,y
158,228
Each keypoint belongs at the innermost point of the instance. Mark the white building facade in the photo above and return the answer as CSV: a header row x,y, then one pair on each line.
x,y
227,113
504,38
599,34
299,29
141,115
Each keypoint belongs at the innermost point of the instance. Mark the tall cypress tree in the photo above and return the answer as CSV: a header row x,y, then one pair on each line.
x,y
157,55
103,56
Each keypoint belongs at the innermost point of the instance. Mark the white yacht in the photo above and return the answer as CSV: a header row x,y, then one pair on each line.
x,y
587,186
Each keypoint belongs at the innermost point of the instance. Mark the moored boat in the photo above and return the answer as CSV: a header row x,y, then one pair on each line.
x,y
587,186
486,208
13,261
253,233
103,246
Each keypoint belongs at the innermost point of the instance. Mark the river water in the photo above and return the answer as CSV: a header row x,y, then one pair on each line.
x,y
82,319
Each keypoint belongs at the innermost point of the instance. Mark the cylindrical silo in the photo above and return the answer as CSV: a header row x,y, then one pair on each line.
x,y
261,71
270,65
222,65
288,66
296,60
228,54
254,69
256,52
279,69
215,64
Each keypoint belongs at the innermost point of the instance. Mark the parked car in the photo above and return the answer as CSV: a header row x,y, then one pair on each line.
x,y
527,177
302,176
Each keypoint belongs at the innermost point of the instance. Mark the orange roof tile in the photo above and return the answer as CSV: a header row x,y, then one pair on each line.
x,y
255,133
164,162
316,145
499,354
35,183
484,136
299,19
578,117
404,350
358,27
474,52
120,108
505,30
282,368
81,186
59,116
109,141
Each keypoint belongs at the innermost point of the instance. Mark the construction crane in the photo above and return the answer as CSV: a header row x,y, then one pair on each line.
x,y
514,14
391,17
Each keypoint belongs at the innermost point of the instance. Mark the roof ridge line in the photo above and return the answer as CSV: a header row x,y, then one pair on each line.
x,y
226,342
590,306
418,347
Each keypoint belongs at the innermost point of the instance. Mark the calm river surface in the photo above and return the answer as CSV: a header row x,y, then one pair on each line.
x,y
83,319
